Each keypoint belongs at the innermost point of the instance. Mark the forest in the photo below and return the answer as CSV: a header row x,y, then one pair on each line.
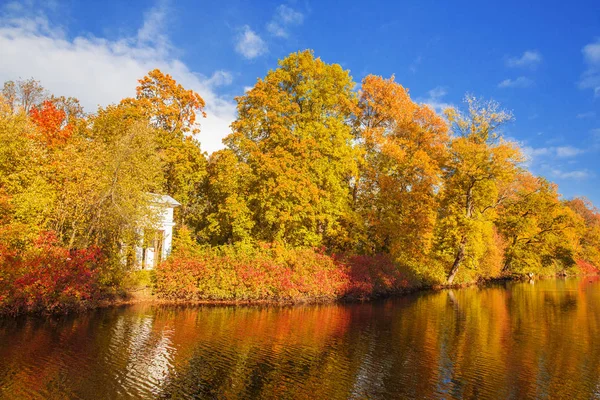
x,y
326,189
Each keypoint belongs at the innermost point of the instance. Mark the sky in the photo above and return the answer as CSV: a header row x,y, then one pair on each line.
x,y
539,59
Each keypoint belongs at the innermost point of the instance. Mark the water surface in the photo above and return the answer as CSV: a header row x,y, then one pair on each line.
x,y
515,340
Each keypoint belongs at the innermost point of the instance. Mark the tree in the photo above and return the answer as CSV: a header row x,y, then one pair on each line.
x,y
26,197
540,231
227,217
404,151
589,234
167,103
52,124
480,166
23,94
172,109
293,132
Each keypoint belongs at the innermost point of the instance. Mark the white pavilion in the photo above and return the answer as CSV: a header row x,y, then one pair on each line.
x,y
156,243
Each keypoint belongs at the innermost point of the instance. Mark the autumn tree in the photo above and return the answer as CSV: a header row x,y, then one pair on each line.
x,y
172,109
589,234
293,132
480,166
227,217
26,197
541,233
167,104
53,126
404,151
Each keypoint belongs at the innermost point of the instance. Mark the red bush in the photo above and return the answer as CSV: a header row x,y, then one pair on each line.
x,y
48,278
275,273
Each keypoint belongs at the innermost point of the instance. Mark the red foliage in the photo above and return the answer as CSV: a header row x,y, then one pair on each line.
x,y
48,278
369,276
275,273
52,124
587,268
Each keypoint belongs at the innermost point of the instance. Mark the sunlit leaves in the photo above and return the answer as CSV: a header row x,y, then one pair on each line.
x,y
292,131
479,168
404,151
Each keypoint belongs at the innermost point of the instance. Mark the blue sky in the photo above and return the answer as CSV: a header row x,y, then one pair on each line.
x,y
539,59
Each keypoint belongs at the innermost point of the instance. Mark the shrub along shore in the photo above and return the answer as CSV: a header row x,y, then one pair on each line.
x,y
325,190
53,280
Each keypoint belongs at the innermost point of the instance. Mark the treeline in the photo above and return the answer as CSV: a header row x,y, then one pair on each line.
x,y
312,166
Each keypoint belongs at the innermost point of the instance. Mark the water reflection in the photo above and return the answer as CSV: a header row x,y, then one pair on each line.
x,y
513,340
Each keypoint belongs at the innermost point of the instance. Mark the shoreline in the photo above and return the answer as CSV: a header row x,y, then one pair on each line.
x,y
145,297
151,299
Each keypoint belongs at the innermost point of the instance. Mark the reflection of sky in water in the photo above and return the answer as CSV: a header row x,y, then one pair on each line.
x,y
148,353
506,341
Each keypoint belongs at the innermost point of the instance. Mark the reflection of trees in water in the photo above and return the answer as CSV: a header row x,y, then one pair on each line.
x,y
505,341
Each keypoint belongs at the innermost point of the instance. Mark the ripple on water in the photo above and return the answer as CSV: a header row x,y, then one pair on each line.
x,y
518,341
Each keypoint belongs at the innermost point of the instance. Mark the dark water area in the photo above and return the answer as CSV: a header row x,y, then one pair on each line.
x,y
509,341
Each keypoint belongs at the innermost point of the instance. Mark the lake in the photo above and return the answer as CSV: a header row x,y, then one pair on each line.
x,y
511,340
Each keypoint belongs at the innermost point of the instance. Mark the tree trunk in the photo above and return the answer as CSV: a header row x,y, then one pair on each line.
x,y
506,266
460,255
457,261
509,257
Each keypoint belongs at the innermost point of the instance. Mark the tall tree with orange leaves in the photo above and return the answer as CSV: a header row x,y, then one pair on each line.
x,y
404,152
168,104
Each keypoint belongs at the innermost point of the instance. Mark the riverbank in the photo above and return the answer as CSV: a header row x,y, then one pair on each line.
x,y
57,281
145,295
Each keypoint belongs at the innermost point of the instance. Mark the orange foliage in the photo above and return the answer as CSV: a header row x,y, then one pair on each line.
x,y
52,124
168,103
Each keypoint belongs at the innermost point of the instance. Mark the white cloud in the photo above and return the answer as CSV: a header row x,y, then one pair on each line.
x,y
520,82
284,18
590,79
589,114
435,100
415,64
249,44
576,174
152,30
220,78
533,152
99,71
534,155
567,151
549,161
529,59
437,92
